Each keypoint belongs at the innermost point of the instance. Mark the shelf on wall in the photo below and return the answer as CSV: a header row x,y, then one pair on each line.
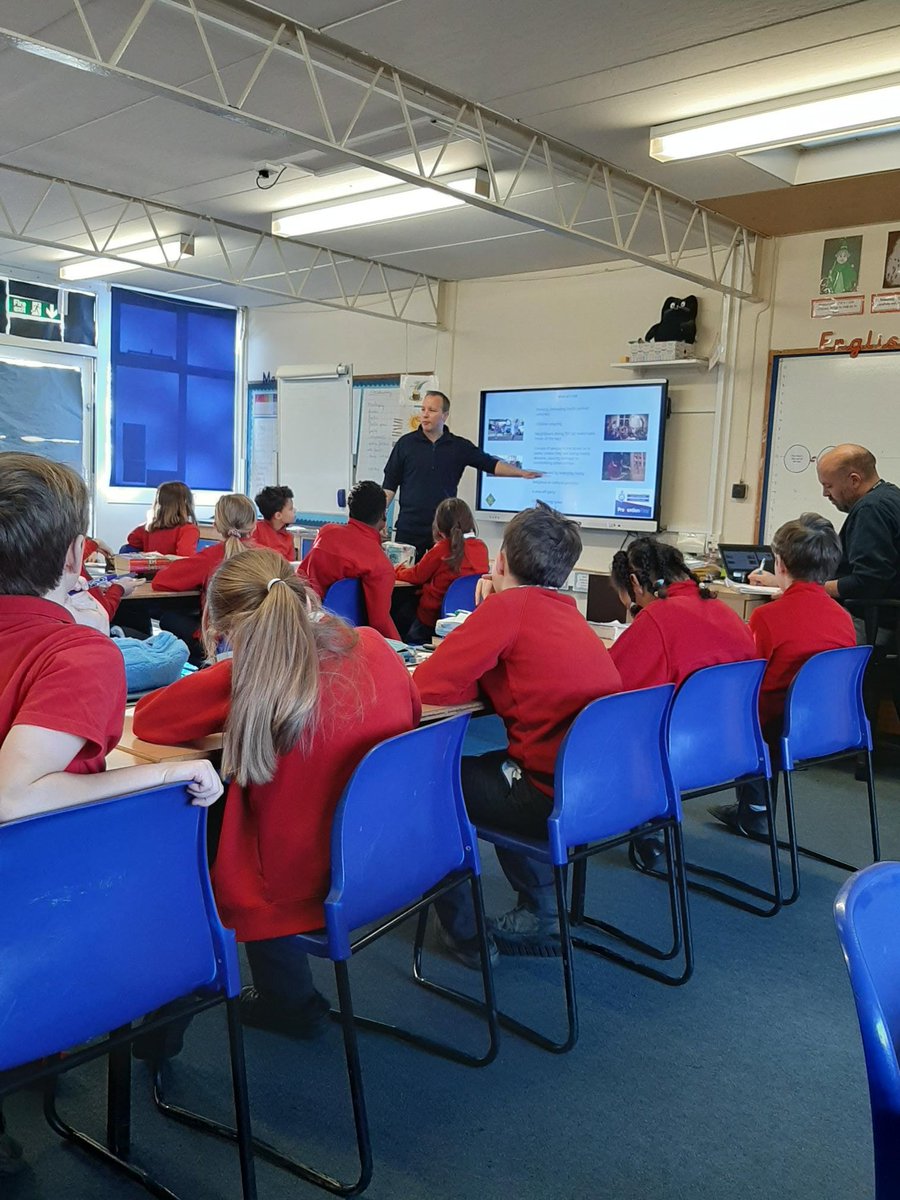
x,y
667,362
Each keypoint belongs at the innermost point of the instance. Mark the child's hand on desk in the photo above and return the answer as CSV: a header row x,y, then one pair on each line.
x,y
204,784
483,588
127,583
762,579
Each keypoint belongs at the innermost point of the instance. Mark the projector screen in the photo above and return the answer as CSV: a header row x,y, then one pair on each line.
x,y
600,449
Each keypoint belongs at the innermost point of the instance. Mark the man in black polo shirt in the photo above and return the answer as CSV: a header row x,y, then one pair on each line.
x,y
427,466
870,537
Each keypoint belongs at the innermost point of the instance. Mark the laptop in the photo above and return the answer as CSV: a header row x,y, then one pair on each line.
x,y
739,561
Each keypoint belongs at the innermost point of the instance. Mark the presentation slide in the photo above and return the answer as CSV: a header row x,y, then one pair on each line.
x,y
598,448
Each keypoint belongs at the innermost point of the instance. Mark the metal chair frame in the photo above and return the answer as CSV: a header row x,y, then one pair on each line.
x,y
323,945
562,857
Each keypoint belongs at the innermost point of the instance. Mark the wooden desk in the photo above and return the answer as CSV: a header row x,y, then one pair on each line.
x,y
206,747
144,591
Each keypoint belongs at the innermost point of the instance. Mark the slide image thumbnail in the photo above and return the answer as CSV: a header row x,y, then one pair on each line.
x,y
627,427
618,465
502,429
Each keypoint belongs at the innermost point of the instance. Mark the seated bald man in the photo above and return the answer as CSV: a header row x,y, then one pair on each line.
x,y
870,536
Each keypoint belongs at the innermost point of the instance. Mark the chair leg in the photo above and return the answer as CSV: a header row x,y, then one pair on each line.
x,y
792,848
873,830
676,880
506,1021
241,1098
118,1124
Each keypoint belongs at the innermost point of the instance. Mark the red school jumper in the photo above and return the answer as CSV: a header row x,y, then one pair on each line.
x,y
788,631
107,597
180,539
532,654
433,572
671,638
279,540
273,867
58,675
194,572
353,551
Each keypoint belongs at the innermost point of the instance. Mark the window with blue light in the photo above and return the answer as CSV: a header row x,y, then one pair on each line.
x,y
172,385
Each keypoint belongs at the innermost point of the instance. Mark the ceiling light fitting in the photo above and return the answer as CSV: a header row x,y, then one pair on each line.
x,y
386,205
785,122
165,251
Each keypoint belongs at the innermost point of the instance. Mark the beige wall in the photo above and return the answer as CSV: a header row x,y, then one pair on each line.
x,y
567,327
552,328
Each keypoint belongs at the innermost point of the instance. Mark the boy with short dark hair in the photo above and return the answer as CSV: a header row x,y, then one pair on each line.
x,y
62,685
277,507
353,551
802,622
530,652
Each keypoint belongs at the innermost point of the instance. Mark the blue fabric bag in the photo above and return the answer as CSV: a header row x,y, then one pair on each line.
x,y
152,663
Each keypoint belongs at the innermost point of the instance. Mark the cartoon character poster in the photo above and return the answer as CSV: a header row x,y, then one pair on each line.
x,y
840,265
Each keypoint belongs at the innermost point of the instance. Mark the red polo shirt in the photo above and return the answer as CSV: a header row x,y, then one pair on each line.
x,y
433,572
671,638
532,654
279,540
788,631
353,551
273,867
57,675
180,539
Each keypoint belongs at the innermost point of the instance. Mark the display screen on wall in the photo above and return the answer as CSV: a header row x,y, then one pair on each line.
x,y
172,391
599,448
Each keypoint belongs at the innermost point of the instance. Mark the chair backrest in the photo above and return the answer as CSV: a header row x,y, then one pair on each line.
x,y
612,771
714,733
460,595
205,543
824,711
865,912
345,599
399,829
107,914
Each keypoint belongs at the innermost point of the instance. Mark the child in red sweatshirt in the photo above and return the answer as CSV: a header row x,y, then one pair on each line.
x,y
301,701
457,551
172,527
530,652
277,507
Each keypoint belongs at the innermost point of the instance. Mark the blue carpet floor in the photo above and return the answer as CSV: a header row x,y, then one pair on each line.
x,y
748,1082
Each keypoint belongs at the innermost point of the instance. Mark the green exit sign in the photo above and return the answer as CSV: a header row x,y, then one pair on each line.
x,y
34,310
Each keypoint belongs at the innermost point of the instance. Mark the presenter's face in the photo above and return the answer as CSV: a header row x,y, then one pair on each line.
x,y
837,484
432,416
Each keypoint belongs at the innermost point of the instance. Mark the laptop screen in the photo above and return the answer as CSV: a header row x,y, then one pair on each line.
x,y
739,561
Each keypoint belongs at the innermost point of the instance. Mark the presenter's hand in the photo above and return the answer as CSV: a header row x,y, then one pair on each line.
x,y
532,475
483,588
762,579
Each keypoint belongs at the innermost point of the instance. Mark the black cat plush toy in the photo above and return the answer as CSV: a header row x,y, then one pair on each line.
x,y
677,321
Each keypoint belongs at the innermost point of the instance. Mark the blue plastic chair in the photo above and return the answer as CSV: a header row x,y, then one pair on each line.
x,y
91,896
205,543
345,599
865,912
715,742
460,595
594,810
825,719
400,838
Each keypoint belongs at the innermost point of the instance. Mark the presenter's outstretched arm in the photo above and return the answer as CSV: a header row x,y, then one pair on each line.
x,y
504,468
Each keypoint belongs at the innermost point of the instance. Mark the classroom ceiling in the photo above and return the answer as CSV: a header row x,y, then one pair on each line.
x,y
593,74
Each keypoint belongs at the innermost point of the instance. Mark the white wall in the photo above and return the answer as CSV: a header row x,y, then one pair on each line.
x,y
550,328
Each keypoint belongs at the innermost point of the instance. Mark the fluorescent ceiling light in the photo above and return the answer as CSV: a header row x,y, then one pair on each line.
x,y
164,252
384,206
795,120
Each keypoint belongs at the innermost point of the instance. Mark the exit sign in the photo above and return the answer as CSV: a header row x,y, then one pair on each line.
x,y
35,310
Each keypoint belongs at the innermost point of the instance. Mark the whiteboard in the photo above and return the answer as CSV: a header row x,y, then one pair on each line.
x,y
315,436
818,401
385,414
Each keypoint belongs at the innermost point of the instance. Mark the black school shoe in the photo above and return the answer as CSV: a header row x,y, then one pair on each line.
x,y
744,821
467,951
306,1021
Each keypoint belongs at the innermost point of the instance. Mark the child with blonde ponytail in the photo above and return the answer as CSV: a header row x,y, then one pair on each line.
x,y
303,698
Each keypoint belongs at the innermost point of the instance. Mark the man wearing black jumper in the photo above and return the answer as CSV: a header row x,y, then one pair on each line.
x,y
427,466
869,569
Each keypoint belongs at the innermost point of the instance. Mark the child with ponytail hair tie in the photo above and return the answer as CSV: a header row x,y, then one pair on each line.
x,y
302,699
457,551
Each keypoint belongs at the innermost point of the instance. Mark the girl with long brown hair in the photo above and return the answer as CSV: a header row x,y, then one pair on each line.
x,y
171,527
457,551
302,699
